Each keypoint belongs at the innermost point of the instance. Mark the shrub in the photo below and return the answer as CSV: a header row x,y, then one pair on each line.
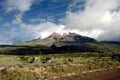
x,y
116,57
48,58
27,59
70,60
24,58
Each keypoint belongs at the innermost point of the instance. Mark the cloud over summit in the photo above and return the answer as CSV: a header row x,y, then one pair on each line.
x,y
100,15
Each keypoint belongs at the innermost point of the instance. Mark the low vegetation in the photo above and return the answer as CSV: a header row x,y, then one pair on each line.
x,y
61,47
35,67
15,75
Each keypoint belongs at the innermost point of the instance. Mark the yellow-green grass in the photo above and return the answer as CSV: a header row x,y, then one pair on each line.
x,y
12,60
61,64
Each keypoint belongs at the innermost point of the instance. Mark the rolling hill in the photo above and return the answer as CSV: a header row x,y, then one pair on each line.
x,y
57,43
55,38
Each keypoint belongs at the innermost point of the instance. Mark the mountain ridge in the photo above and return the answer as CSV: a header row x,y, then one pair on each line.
x,y
57,43
61,38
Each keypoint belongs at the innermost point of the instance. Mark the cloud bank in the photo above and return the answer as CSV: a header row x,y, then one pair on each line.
x,y
41,30
101,16
97,19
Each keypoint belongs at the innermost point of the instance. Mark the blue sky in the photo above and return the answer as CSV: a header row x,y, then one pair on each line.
x,y
23,20
38,11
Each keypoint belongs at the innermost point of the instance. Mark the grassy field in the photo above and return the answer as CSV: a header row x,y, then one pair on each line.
x,y
83,57
57,48
39,67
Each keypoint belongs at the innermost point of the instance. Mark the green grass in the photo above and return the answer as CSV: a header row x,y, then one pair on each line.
x,y
44,48
61,64
11,60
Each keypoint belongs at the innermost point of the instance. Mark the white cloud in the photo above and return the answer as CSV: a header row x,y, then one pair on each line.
x,y
1,38
42,30
10,33
101,17
8,36
17,19
106,18
20,5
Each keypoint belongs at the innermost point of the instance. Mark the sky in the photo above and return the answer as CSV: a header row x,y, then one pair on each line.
x,y
24,20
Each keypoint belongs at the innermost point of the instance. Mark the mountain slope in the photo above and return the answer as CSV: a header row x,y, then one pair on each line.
x,y
57,43
58,38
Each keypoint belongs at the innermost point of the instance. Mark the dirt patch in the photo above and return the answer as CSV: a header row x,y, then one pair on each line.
x,y
99,75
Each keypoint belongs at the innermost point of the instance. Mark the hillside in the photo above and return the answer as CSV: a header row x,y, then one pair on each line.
x,y
57,43
58,38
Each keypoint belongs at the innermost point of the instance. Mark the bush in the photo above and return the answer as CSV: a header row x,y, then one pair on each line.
x,y
116,57
24,58
48,58
70,60
27,59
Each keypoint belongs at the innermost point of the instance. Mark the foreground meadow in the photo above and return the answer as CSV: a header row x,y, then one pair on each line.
x,y
52,66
